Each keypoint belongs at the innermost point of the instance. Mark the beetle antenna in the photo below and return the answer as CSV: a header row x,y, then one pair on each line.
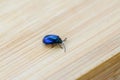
x,y
64,39
64,46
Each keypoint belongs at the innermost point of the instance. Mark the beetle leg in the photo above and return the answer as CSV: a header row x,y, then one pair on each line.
x,y
64,46
60,46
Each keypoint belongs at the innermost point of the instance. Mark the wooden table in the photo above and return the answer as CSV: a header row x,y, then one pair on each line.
x,y
92,28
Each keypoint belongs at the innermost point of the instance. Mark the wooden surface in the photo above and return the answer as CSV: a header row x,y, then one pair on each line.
x,y
91,26
109,70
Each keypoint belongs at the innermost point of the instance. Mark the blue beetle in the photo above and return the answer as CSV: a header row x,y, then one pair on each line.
x,y
54,40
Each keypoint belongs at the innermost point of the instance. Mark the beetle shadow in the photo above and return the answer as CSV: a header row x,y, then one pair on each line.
x,y
51,46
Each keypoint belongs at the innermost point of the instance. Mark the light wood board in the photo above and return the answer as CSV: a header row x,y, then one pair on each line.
x,y
92,28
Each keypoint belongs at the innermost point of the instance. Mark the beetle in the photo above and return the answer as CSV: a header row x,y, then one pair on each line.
x,y
53,39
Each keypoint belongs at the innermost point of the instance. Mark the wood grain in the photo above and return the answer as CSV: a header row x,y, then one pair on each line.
x,y
91,26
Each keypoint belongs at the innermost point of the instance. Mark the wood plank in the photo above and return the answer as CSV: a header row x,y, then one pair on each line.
x,y
109,70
